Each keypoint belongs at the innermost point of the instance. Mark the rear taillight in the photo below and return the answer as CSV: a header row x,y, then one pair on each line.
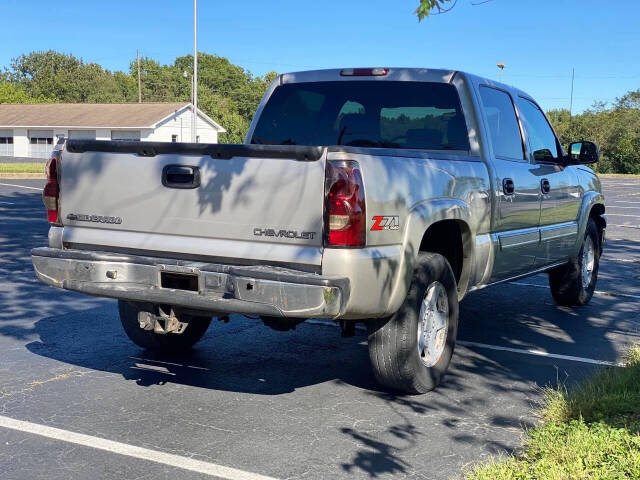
x,y
51,191
344,205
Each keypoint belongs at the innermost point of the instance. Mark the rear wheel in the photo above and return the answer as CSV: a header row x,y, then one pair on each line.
x,y
574,283
411,350
194,330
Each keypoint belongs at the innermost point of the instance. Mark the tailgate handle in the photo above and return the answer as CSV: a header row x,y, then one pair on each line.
x,y
180,176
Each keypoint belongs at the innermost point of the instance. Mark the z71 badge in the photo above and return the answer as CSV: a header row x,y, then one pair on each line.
x,y
386,222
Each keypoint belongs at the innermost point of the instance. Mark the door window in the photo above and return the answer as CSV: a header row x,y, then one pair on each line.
x,y
541,138
503,124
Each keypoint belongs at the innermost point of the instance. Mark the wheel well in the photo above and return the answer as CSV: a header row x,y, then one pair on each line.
x,y
597,212
451,239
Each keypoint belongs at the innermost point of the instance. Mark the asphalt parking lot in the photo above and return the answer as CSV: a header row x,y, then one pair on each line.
x,y
249,401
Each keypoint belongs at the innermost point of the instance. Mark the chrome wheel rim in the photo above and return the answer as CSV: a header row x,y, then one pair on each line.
x,y
588,262
433,324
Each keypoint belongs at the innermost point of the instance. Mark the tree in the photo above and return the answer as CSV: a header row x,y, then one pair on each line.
x,y
160,83
224,111
226,92
64,78
11,93
615,129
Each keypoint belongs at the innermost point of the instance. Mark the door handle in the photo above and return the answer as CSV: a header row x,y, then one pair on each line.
x,y
508,187
545,186
180,176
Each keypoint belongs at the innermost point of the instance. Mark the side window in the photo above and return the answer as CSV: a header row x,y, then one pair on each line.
x,y
542,139
503,124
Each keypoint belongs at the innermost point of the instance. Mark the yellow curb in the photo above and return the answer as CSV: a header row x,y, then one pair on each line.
x,y
23,176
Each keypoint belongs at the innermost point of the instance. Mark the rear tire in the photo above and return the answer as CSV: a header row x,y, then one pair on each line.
x,y
163,343
573,284
411,350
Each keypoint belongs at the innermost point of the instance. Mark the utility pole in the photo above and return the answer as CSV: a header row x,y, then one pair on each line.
x,y
501,67
194,122
139,79
573,71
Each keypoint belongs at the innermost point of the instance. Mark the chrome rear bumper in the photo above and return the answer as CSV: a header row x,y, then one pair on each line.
x,y
224,289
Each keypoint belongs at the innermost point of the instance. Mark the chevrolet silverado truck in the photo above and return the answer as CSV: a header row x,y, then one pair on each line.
x,y
376,195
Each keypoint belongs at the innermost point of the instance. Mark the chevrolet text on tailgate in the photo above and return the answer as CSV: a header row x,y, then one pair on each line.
x,y
379,195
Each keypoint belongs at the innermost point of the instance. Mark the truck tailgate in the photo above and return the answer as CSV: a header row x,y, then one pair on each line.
x,y
251,202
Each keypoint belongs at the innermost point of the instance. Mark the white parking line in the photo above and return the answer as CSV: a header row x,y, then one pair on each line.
x,y
597,292
623,201
156,456
538,353
20,186
623,260
621,215
624,226
609,207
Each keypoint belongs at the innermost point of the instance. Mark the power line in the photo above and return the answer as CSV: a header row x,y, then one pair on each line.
x,y
139,78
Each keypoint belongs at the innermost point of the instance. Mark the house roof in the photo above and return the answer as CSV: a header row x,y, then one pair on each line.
x,y
92,115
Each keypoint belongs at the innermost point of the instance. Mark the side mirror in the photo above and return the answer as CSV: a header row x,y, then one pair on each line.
x,y
583,153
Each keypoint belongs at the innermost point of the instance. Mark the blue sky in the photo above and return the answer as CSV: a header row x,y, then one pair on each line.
x,y
538,40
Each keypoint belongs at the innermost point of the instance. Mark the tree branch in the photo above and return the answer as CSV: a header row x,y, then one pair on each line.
x,y
437,7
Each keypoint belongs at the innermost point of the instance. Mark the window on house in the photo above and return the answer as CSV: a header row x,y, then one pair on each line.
x,y
6,145
41,141
128,135
174,138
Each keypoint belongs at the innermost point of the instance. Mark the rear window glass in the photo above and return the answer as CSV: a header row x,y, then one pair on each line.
x,y
382,114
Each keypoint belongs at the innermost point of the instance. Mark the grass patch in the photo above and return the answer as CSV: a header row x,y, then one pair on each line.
x,y
618,175
591,431
22,168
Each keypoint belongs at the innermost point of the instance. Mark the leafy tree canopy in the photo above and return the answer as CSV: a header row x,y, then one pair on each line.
x,y
615,128
11,93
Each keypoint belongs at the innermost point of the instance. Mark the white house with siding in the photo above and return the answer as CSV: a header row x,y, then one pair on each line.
x,y
31,130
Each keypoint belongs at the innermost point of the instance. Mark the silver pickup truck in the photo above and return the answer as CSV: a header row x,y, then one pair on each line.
x,y
379,195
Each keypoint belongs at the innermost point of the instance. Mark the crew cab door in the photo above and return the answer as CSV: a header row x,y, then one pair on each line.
x,y
517,210
560,194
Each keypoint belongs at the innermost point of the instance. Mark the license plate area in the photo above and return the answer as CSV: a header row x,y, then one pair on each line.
x,y
180,281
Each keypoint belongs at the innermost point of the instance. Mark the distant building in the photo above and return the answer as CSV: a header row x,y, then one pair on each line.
x,y
31,130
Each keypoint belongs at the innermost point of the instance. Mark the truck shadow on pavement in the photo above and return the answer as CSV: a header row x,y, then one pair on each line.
x,y
480,408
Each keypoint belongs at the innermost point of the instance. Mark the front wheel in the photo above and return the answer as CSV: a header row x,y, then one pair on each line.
x,y
574,283
411,350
